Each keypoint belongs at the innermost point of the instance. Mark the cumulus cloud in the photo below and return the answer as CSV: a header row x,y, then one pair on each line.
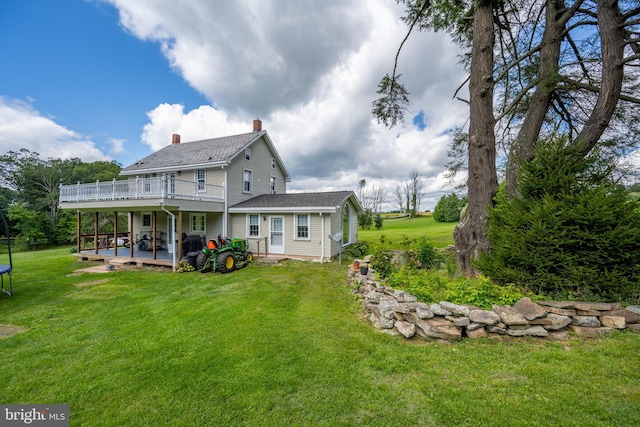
x,y
310,71
21,126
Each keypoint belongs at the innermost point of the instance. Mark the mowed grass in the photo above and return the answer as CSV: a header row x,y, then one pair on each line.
x,y
395,231
280,345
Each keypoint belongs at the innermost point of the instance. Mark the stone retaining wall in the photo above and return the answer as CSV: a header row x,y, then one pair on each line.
x,y
399,313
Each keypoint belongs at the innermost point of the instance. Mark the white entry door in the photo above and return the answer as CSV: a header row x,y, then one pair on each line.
x,y
276,235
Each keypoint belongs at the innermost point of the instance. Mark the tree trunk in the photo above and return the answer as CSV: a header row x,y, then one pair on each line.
x,y
523,147
611,28
482,182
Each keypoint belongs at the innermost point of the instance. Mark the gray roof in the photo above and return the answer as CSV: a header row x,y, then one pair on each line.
x,y
304,201
195,153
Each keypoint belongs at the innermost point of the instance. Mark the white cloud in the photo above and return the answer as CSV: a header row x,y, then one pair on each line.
x,y
21,126
310,71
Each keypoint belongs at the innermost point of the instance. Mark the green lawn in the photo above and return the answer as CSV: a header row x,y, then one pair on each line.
x,y
439,234
280,345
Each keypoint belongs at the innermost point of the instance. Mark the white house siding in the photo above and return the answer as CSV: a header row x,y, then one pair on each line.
x,y
260,165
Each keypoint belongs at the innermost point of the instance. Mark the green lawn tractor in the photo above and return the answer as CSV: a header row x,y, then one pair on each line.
x,y
224,255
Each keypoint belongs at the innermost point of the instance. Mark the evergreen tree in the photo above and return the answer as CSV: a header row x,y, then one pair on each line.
x,y
572,232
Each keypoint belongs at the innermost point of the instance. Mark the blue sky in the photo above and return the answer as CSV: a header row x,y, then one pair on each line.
x,y
112,80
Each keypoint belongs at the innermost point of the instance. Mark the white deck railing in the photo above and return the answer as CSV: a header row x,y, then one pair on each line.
x,y
164,187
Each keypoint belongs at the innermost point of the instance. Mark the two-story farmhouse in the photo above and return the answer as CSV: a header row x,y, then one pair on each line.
x,y
233,186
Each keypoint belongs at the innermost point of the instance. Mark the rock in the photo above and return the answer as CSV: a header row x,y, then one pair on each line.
x,y
398,316
387,308
558,335
376,321
588,313
387,323
588,332
402,296
460,310
534,331
509,316
407,329
529,309
393,332
374,297
541,321
477,333
485,317
634,309
557,322
461,321
629,316
411,317
616,322
561,311
474,326
424,312
557,304
599,306
496,330
438,310
404,307
373,308
439,328
588,321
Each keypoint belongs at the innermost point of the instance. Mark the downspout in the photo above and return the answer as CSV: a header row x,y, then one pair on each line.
x,y
226,188
173,235
322,240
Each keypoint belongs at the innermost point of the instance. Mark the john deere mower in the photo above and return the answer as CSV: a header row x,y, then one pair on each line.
x,y
224,255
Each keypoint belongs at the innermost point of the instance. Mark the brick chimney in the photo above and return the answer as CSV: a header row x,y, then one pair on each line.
x,y
175,138
257,125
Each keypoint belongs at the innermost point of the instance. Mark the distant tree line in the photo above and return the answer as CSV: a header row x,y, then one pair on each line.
x,y
30,192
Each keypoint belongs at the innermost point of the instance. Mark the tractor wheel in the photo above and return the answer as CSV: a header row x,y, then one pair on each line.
x,y
226,262
248,257
201,260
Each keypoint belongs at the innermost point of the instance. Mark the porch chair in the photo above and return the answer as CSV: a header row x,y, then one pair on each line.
x,y
4,268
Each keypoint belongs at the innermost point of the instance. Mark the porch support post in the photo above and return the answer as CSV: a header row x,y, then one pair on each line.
x,y
179,236
95,234
131,242
78,230
115,233
154,216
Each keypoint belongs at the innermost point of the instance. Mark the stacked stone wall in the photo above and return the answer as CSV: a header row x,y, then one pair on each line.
x,y
399,313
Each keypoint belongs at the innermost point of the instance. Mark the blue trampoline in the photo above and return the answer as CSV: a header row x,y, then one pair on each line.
x,y
7,268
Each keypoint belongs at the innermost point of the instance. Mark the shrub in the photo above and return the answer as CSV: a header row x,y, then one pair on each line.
x,y
357,250
382,263
448,208
426,254
571,233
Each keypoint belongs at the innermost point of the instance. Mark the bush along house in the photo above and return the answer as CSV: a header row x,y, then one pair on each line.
x,y
186,194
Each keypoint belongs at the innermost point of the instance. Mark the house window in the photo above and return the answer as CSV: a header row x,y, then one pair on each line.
x,y
273,185
273,163
247,181
247,154
146,221
254,225
198,223
302,226
201,179
346,218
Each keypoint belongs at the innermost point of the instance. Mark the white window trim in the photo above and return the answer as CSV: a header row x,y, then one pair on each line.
x,y
346,237
250,182
275,181
273,163
249,226
146,227
204,224
295,226
198,183
247,154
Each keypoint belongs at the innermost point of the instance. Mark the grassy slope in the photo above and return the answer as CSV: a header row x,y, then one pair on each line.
x,y
437,233
280,345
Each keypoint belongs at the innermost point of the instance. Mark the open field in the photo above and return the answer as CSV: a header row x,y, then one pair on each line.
x,y
439,234
280,345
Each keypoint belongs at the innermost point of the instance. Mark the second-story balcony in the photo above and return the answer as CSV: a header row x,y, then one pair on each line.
x,y
164,187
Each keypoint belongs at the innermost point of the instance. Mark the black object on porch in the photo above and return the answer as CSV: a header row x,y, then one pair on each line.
x,y
4,268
